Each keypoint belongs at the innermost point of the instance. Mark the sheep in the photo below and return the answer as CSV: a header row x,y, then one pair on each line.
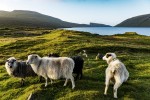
x,y
79,62
84,53
53,68
18,69
99,56
116,70
78,67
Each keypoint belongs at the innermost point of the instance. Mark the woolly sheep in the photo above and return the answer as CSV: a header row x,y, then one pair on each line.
x,y
116,70
18,69
53,68
79,62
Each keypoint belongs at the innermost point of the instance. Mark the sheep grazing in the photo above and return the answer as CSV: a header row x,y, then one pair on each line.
x,y
99,56
84,53
79,62
18,69
78,67
53,68
116,70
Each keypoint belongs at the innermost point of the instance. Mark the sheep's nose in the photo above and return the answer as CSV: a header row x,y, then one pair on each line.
x,y
10,66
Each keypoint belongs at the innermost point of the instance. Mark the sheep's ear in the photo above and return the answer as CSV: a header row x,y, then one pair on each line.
x,y
108,55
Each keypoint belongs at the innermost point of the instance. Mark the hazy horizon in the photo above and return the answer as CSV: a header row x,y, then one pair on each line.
x,y
110,12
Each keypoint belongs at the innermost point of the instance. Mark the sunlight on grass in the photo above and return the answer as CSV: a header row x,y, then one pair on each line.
x,y
133,50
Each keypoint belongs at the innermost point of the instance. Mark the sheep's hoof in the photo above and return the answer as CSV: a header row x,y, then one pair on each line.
x,y
73,87
64,85
105,94
115,97
45,85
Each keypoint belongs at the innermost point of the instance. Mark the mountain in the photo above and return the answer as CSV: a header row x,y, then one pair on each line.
x,y
138,21
98,25
23,18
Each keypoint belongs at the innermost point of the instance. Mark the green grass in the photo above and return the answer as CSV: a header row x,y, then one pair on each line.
x,y
132,49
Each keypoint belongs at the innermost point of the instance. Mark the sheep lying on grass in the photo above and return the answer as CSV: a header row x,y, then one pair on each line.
x,y
79,62
54,68
116,70
18,69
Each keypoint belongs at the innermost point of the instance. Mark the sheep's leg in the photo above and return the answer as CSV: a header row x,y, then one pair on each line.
x,y
51,81
72,81
81,75
117,85
22,82
46,81
106,84
66,82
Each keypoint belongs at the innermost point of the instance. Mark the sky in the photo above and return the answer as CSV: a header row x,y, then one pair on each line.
x,y
110,12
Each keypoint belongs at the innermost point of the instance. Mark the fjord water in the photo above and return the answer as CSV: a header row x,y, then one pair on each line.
x,y
113,30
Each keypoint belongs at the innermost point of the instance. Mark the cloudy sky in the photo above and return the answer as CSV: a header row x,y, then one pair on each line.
x,y
109,12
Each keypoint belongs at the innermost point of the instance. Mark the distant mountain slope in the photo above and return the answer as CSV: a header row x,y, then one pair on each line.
x,y
23,18
32,19
138,21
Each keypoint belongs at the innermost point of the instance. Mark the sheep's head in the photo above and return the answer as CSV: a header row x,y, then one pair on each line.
x,y
109,57
10,65
32,59
99,56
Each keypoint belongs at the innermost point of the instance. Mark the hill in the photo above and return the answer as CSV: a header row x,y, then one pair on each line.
x,y
133,50
23,18
138,21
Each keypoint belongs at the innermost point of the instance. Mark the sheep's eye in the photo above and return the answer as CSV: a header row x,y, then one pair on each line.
x,y
108,55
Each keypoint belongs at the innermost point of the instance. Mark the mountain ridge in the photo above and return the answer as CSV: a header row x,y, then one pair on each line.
x,y
25,18
137,21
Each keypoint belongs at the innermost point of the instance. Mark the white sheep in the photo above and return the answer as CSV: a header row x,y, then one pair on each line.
x,y
53,68
116,71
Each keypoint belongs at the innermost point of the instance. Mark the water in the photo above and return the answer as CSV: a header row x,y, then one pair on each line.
x,y
113,30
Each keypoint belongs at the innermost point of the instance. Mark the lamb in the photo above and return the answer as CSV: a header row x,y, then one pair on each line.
x,y
19,69
78,67
53,68
116,70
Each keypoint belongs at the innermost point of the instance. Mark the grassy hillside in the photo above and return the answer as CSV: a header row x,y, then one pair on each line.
x,y
132,49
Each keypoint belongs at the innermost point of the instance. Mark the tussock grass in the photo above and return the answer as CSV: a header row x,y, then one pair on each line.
x,y
132,49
